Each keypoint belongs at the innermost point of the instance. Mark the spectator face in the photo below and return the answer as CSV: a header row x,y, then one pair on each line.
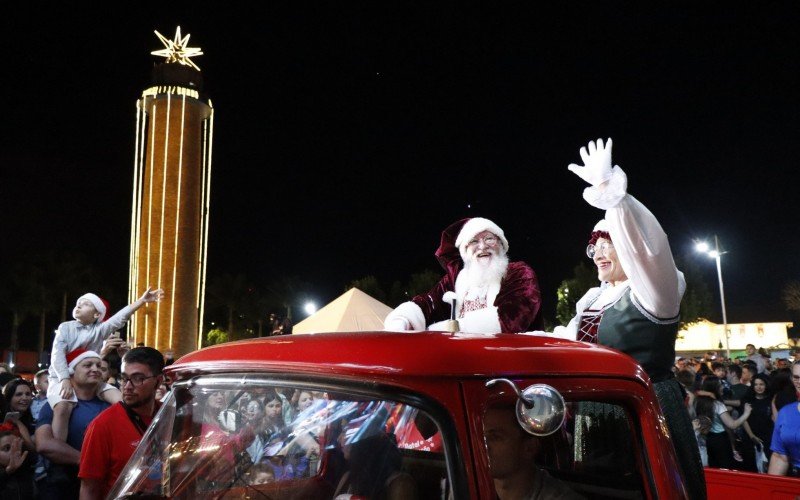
x,y
759,386
263,477
305,400
796,376
138,384
216,400
85,312
21,399
721,373
273,409
161,391
747,374
41,384
5,448
88,372
750,349
104,370
253,412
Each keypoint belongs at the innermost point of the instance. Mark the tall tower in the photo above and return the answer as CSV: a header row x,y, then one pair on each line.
x,y
171,188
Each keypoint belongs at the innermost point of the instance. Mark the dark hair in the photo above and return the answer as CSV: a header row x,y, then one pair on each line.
x,y
704,405
114,363
8,392
752,368
686,378
735,369
751,392
716,364
146,356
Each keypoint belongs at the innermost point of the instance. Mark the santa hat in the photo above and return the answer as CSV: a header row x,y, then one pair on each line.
x,y
101,305
474,226
600,231
78,355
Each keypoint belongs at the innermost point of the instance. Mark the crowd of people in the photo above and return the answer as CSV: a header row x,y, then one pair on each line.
x,y
49,425
736,415
746,412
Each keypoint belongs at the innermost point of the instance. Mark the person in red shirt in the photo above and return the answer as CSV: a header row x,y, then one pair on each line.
x,y
113,436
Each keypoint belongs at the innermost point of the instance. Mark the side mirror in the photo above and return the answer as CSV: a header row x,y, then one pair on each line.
x,y
540,408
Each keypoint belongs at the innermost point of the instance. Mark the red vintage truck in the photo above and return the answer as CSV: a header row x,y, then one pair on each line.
x,y
403,415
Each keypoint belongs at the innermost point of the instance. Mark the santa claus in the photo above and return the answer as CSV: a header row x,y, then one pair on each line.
x,y
492,295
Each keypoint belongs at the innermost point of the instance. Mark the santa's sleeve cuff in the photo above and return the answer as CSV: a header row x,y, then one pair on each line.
x,y
406,316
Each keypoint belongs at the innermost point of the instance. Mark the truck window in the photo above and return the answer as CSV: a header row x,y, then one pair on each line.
x,y
592,456
221,438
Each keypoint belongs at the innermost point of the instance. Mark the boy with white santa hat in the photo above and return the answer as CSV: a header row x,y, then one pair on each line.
x,y
86,333
492,295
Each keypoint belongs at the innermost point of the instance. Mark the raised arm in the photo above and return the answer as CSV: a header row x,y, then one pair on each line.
x,y
640,242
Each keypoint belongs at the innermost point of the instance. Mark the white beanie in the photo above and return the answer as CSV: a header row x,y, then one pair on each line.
x,y
78,355
474,226
601,225
98,304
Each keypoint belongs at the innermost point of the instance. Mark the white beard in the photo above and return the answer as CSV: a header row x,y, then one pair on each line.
x,y
480,275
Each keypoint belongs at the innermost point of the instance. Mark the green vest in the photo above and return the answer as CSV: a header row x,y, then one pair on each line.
x,y
649,340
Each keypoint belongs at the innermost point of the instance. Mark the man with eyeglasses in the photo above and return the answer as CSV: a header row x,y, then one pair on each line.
x,y
63,458
113,436
492,295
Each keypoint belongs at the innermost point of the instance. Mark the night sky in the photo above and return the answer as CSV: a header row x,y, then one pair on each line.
x,y
347,137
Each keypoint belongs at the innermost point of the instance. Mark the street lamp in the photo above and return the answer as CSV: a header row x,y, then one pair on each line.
x,y
310,308
703,247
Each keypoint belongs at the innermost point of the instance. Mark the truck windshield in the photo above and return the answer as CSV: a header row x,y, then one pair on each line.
x,y
249,437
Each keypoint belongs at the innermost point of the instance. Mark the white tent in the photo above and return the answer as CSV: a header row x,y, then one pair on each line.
x,y
353,311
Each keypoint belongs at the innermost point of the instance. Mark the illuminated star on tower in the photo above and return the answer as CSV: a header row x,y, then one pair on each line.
x,y
177,51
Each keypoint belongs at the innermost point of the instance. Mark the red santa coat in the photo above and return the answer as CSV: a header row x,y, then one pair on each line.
x,y
518,300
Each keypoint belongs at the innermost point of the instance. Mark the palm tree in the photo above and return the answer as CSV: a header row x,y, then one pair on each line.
x,y
229,292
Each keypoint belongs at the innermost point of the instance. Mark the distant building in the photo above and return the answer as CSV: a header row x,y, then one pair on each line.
x,y
707,336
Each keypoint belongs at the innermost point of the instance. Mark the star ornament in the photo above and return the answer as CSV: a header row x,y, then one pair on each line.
x,y
177,50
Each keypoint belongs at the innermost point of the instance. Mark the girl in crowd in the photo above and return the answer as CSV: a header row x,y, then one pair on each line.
x,y
708,403
16,470
19,395
785,459
760,425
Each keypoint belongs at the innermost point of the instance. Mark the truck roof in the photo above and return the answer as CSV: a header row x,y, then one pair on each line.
x,y
410,354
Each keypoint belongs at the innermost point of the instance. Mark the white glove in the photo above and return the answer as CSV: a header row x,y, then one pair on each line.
x,y
597,163
396,325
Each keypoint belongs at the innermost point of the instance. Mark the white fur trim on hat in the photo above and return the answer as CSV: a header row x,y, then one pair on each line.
x,y
97,302
78,355
474,226
601,225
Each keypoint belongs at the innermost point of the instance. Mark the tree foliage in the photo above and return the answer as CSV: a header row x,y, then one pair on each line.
x,y
697,302
790,294
571,290
216,336
370,286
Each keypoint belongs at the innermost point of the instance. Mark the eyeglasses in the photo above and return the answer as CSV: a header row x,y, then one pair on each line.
x,y
795,377
136,379
603,248
489,241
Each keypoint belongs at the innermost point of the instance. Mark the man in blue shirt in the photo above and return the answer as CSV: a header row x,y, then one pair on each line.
x,y
62,472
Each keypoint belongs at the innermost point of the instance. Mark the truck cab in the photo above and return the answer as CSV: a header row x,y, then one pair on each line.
x,y
402,415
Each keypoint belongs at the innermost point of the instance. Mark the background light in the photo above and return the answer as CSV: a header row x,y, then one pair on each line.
x,y
310,308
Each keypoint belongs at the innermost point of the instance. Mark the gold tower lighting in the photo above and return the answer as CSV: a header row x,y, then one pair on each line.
x,y
171,192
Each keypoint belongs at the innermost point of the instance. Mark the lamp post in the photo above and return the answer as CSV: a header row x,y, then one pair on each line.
x,y
717,255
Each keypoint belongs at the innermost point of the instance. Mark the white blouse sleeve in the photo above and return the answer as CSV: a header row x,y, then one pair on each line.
x,y
642,247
